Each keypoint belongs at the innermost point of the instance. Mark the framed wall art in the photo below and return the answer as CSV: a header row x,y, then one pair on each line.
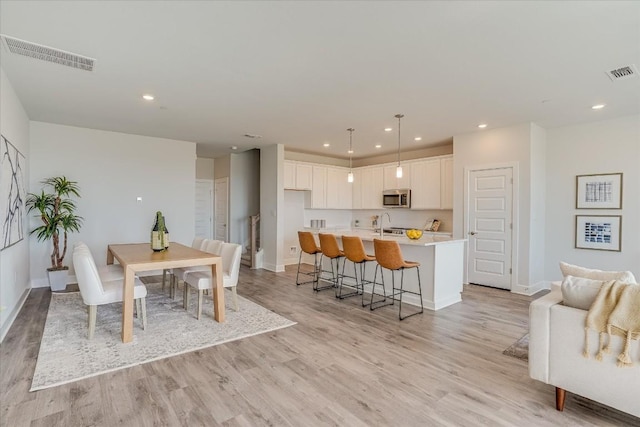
x,y
601,191
12,193
601,232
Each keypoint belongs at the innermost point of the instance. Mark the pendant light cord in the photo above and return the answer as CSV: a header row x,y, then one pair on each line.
x,y
350,146
399,116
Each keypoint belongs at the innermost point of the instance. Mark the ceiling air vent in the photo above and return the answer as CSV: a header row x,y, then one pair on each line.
x,y
45,53
623,73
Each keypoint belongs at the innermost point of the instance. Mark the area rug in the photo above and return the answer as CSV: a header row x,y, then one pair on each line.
x,y
519,349
67,355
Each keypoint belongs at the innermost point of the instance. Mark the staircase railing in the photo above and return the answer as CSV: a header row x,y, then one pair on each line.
x,y
254,238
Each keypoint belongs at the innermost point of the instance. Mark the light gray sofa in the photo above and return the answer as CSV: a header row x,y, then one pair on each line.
x,y
556,345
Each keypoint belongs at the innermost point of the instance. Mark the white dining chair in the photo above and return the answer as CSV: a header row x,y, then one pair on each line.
x,y
197,243
106,272
208,245
95,291
201,280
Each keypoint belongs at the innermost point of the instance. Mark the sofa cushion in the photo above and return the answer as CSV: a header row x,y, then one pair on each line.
x,y
589,273
578,292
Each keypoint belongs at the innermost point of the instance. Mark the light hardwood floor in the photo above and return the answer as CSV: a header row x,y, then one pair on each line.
x,y
341,365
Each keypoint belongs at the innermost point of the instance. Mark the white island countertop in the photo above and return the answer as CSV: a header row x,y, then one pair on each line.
x,y
368,235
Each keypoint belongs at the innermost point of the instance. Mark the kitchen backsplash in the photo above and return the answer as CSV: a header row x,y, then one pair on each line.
x,y
405,218
399,218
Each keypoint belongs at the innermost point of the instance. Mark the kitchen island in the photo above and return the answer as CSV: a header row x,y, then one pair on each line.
x,y
441,261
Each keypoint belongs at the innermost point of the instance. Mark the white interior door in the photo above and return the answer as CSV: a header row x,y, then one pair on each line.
x,y
204,208
489,226
221,208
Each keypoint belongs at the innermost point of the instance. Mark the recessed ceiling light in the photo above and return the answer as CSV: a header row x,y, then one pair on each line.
x,y
598,107
234,147
350,151
388,129
148,97
378,146
482,125
417,138
326,144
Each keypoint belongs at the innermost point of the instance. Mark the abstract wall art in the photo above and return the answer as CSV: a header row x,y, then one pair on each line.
x,y
12,193
601,232
602,191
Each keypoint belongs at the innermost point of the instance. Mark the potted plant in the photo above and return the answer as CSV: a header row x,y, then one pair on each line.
x,y
57,212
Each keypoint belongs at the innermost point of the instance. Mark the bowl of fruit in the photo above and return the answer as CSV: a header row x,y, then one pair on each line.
x,y
414,234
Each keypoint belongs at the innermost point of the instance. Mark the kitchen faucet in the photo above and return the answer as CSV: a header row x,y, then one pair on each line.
x,y
382,216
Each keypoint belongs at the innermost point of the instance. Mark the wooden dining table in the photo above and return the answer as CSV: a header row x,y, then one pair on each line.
x,y
137,257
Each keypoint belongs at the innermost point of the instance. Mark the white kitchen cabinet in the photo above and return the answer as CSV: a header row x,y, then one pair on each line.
x,y
356,189
338,189
371,190
297,176
390,180
425,184
304,176
446,183
289,175
319,187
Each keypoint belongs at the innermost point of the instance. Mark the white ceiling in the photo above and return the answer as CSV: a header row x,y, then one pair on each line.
x,y
301,73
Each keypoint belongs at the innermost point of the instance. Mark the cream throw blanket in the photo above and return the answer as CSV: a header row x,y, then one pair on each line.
x,y
616,310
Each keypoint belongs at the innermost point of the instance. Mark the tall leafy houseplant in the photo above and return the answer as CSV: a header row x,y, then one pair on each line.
x,y
57,212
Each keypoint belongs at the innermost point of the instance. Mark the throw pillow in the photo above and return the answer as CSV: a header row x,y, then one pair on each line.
x,y
589,273
578,292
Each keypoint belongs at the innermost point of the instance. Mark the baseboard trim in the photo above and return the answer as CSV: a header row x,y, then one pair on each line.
x,y
39,283
276,268
14,313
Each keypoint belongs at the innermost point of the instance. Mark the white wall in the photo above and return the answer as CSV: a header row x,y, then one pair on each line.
x,y
293,220
14,260
271,206
204,168
537,221
112,170
487,148
244,194
597,147
222,167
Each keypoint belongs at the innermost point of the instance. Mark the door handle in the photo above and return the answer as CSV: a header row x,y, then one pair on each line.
x,y
473,233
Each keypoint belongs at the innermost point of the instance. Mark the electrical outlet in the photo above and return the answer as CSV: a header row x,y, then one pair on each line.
x,y
292,250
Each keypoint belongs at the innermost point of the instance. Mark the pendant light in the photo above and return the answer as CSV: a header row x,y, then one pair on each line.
x,y
399,168
350,175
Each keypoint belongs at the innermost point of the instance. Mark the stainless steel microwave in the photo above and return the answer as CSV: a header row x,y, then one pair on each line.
x,y
400,198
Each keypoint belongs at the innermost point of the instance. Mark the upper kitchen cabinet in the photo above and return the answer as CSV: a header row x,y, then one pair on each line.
x,y
432,183
367,188
425,184
391,182
356,189
297,176
319,187
446,183
372,185
338,189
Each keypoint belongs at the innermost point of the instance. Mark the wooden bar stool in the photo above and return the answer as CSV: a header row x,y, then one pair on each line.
x,y
308,246
389,256
353,249
330,249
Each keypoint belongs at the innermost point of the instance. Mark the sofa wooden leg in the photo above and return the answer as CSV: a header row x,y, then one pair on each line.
x,y
560,395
